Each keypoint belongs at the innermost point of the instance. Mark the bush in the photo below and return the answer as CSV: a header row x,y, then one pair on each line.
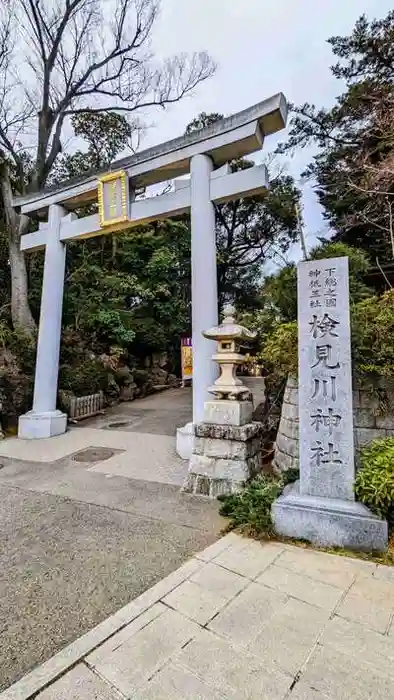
x,y
374,484
17,354
373,336
251,509
280,352
85,376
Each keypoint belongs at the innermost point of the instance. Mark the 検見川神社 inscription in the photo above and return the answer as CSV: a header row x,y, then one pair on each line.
x,y
325,379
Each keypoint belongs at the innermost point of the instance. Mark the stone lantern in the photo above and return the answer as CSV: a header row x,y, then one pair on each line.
x,y
230,337
227,445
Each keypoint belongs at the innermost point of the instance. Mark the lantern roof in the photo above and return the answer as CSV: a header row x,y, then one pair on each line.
x,y
229,329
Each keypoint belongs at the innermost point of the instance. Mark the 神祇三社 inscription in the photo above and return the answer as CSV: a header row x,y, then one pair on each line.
x,y
325,380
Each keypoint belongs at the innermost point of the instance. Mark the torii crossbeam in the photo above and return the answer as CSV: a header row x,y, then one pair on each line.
x,y
204,154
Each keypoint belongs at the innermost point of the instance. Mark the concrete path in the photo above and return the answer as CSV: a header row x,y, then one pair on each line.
x,y
80,539
241,620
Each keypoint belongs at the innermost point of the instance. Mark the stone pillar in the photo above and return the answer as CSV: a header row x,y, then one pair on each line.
x,y
204,294
204,281
44,420
321,508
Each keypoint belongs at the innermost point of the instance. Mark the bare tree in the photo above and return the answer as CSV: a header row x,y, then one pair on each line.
x,y
59,58
369,174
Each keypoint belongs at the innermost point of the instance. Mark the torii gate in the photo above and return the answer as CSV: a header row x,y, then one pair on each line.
x,y
205,154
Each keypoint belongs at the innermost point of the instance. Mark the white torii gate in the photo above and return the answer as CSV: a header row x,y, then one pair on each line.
x,y
205,154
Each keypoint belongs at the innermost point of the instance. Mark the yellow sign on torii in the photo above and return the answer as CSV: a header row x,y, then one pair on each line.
x,y
113,198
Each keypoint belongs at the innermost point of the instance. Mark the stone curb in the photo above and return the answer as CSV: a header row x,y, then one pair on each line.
x,y
42,676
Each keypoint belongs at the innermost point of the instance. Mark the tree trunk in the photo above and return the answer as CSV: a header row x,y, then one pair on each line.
x,y
17,224
20,310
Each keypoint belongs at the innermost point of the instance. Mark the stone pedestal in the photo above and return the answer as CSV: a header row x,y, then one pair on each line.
x,y
228,412
328,522
224,457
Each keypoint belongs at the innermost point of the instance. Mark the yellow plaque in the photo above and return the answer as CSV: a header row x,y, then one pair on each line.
x,y
186,358
113,198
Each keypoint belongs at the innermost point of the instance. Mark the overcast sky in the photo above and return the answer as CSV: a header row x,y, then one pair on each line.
x,y
262,48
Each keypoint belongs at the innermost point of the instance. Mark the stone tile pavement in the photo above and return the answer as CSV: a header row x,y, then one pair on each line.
x,y
241,620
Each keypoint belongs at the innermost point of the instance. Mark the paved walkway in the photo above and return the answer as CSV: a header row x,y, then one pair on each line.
x,y
241,620
80,539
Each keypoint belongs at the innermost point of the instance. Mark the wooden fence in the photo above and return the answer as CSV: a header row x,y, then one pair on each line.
x,y
86,406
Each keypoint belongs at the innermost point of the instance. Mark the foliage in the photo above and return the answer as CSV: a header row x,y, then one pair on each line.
x,y
372,327
280,352
373,336
374,484
83,376
279,291
17,354
20,344
354,164
132,291
278,332
251,508
202,120
105,134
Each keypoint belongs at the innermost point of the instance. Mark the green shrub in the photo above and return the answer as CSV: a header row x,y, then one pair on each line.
x,y
17,356
251,509
85,376
374,484
280,352
372,323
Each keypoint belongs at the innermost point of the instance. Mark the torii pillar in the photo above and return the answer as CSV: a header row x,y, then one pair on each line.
x,y
204,294
205,155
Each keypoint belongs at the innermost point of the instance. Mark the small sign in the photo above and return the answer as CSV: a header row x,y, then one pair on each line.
x,y
113,198
186,358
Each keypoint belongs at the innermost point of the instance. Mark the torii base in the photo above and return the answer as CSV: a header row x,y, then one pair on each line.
x,y
185,441
33,426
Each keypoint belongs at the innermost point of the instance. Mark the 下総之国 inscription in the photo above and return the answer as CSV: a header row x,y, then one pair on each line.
x,y
323,288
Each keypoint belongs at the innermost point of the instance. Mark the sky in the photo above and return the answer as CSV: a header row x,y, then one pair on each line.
x,y
261,48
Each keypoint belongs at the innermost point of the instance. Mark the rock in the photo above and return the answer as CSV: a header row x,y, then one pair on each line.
x,y
158,375
141,377
172,380
64,398
159,359
124,376
112,391
128,392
